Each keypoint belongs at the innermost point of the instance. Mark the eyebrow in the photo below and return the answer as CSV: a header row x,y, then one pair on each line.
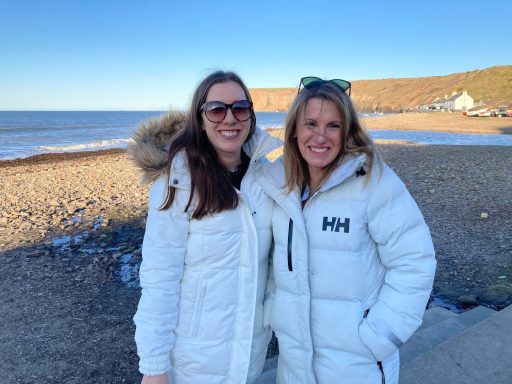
x,y
330,122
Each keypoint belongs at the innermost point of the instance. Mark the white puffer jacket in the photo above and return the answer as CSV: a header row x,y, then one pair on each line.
x,y
201,307
353,272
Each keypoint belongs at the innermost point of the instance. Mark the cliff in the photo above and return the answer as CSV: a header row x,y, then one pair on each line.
x,y
491,86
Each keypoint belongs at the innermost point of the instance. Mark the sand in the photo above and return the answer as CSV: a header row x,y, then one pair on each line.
x,y
453,122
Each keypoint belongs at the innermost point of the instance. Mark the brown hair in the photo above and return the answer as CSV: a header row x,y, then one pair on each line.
x,y
355,139
209,178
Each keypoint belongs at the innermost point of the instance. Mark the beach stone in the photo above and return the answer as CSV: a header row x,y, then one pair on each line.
x,y
498,298
468,300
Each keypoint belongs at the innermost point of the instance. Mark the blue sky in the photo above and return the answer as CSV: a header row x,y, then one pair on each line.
x,y
150,55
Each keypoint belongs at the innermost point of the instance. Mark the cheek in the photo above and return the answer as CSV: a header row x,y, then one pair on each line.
x,y
337,139
207,126
302,146
300,135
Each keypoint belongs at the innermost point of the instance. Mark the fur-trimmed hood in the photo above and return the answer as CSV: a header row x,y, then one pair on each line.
x,y
149,147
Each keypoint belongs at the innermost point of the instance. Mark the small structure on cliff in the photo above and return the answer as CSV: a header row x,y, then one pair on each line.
x,y
459,101
456,102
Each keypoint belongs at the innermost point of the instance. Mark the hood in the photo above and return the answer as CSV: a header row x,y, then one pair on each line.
x,y
148,149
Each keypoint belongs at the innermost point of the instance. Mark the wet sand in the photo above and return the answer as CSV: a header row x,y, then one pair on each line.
x,y
441,122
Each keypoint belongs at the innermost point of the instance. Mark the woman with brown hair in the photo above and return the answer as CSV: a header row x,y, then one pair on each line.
x,y
208,235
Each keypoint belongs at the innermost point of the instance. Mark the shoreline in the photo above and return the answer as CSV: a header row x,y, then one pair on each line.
x,y
45,158
56,157
410,121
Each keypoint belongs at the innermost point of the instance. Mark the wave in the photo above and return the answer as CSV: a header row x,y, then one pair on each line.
x,y
101,144
11,154
371,114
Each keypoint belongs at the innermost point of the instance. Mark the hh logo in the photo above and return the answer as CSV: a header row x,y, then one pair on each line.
x,y
335,223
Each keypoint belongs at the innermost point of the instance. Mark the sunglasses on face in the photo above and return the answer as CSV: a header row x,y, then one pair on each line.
x,y
311,82
216,111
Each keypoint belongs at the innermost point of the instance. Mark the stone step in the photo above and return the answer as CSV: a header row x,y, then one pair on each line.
x,y
439,325
481,354
269,372
435,315
429,337
270,364
267,377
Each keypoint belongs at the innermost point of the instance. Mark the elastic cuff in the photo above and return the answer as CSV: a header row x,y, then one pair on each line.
x,y
155,365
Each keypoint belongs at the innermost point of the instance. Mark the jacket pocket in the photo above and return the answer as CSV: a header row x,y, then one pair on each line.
x,y
290,241
198,309
378,341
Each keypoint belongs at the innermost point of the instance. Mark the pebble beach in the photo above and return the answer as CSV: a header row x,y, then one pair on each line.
x,y
71,227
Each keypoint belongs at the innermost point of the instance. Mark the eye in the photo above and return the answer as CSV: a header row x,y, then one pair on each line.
x,y
310,123
216,109
335,125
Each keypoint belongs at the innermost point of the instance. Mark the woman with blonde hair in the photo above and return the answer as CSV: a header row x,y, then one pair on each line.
x,y
353,263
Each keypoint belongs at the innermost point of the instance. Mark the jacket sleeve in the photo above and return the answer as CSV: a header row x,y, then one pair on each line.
x,y
406,251
163,253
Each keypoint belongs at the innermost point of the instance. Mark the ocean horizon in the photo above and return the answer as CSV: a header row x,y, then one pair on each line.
x,y
28,133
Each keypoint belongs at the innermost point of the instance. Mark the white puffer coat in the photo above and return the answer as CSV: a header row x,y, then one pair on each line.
x,y
200,312
353,272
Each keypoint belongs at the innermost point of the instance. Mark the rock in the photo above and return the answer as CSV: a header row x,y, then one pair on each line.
x,y
468,300
497,298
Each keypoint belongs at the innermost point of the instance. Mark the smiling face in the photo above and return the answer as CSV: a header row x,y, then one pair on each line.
x,y
228,135
319,132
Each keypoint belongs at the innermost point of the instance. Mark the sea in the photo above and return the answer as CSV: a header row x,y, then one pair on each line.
x,y
27,133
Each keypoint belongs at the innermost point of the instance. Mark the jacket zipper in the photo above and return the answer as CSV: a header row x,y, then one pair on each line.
x,y
379,363
290,235
198,308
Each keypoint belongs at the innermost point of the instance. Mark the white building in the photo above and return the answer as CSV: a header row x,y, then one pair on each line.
x,y
459,102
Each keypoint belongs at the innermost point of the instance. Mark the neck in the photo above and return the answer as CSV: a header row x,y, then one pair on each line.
x,y
230,161
315,178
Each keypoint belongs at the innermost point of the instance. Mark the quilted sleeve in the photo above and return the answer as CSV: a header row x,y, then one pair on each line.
x,y
405,248
161,270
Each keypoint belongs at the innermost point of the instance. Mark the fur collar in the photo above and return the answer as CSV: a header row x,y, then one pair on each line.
x,y
150,143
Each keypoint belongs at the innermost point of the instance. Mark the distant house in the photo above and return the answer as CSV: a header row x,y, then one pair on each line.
x,y
455,102
459,102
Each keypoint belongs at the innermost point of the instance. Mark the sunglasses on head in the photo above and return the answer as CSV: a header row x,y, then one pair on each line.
x,y
216,111
311,82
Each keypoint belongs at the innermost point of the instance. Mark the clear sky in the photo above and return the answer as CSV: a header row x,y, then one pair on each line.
x,y
150,55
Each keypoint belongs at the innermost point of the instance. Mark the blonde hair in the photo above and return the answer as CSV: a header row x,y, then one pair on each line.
x,y
355,139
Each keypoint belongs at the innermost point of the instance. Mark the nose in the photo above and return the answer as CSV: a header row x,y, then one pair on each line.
x,y
229,118
320,134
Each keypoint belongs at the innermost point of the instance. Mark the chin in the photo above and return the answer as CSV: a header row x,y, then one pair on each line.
x,y
318,164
